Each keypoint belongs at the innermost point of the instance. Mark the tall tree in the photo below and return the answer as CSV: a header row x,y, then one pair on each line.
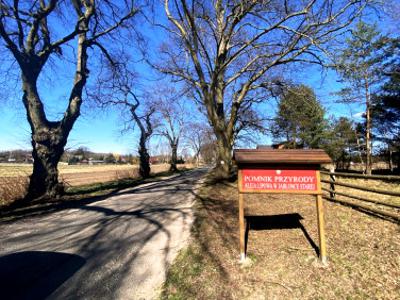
x,y
196,135
386,102
340,142
117,88
146,127
33,32
300,119
227,51
172,120
359,64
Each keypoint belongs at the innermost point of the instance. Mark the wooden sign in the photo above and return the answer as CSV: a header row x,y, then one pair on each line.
x,y
280,171
279,181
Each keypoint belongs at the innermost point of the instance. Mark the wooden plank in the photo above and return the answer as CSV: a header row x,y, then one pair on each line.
x,y
282,156
277,166
239,182
366,208
361,188
321,230
363,199
321,222
251,191
241,228
353,175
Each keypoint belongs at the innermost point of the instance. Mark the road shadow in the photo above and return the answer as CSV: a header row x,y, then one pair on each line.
x,y
112,233
35,274
283,221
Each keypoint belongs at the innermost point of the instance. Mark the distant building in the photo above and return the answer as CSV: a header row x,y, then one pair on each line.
x,y
95,161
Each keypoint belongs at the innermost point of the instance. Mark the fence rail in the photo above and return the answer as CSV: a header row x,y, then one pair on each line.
x,y
361,188
363,176
359,201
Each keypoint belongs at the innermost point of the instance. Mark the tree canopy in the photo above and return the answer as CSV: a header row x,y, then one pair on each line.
x,y
300,119
228,52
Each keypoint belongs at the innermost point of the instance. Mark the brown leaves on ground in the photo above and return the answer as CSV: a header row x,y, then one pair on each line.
x,y
363,250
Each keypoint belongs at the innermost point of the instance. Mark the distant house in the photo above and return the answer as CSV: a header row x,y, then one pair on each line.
x,y
95,161
154,160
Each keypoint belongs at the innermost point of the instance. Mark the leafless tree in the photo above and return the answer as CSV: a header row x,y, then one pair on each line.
x,y
196,136
35,31
227,51
116,88
146,127
172,119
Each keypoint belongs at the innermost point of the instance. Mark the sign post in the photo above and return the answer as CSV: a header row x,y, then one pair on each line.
x,y
281,172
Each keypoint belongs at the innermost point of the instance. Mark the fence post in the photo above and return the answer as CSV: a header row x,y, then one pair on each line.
x,y
332,185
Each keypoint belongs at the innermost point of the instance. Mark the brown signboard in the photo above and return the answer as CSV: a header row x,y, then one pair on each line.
x,y
280,171
279,181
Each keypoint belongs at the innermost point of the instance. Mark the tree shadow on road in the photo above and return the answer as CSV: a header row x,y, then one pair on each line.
x,y
35,274
111,234
79,198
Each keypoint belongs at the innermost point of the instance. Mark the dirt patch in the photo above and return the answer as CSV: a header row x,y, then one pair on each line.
x,y
363,251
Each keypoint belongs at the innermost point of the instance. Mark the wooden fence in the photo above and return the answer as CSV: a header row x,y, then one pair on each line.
x,y
377,200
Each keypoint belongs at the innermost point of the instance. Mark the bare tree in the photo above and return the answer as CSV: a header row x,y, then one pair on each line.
x,y
30,30
145,125
227,51
172,120
116,88
196,136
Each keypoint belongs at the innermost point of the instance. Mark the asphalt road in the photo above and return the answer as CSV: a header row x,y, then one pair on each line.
x,y
113,248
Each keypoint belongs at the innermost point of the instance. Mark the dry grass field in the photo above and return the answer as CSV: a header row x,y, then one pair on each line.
x,y
14,177
363,251
16,170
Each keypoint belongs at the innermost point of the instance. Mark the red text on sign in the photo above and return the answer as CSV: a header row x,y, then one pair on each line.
x,y
279,180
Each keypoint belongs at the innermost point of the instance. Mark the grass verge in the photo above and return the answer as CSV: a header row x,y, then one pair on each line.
x,y
282,251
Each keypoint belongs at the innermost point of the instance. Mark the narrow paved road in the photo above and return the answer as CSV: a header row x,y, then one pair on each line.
x,y
115,248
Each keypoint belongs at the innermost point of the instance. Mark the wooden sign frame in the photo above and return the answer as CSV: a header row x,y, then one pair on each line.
x,y
271,163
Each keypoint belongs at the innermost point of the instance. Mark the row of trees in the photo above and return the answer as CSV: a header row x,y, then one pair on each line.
x,y
369,68
225,56
365,64
301,123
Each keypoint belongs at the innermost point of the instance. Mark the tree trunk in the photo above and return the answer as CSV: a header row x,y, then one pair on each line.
x,y
223,169
47,151
174,157
48,142
198,158
144,167
368,162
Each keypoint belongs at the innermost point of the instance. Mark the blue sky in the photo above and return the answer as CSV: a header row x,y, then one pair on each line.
x,y
100,131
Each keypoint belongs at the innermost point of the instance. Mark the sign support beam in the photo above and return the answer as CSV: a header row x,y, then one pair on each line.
x,y
321,230
241,228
